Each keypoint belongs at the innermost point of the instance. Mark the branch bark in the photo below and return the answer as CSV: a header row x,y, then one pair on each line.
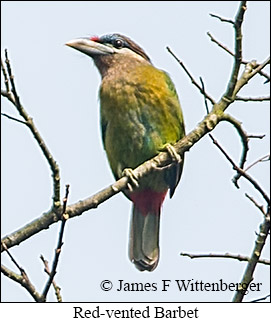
x,y
12,96
226,255
254,259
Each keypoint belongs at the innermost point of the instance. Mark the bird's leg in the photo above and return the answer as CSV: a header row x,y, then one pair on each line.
x,y
175,157
133,180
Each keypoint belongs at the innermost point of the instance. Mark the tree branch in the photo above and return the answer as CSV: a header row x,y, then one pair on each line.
x,y
259,99
47,270
260,299
22,279
243,61
242,172
254,259
260,207
238,50
64,218
14,98
222,19
244,138
204,94
6,82
250,71
12,118
202,91
226,255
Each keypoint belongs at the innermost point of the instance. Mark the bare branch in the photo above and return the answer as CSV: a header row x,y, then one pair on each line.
x,y
238,50
22,279
242,172
232,54
47,270
204,94
259,99
226,255
14,98
250,71
260,160
191,77
9,95
219,44
222,19
256,136
249,271
5,76
59,245
261,299
244,138
12,118
260,207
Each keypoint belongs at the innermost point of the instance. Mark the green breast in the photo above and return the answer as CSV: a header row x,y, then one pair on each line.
x,y
140,113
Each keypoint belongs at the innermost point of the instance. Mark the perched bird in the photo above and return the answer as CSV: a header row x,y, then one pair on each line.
x,y
140,116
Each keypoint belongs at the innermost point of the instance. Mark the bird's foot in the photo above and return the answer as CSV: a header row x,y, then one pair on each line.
x,y
175,157
133,180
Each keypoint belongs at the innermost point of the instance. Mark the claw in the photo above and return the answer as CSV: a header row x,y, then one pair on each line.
x,y
173,154
133,180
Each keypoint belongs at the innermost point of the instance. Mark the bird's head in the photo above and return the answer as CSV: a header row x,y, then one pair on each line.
x,y
110,50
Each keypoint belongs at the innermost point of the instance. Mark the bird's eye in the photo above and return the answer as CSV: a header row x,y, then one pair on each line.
x,y
118,43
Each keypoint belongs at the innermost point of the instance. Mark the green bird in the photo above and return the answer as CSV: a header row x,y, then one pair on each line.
x,y
140,116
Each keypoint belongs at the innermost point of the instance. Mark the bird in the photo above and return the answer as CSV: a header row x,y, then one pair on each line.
x,y
140,115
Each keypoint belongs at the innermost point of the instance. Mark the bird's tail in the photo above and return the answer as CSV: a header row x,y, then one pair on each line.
x,y
144,232
144,240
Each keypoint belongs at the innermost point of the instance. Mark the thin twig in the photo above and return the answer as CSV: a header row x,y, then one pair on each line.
x,y
256,136
260,299
222,19
260,160
237,51
191,77
22,279
5,76
9,95
12,118
244,138
232,54
259,99
226,255
260,207
30,124
241,171
219,44
204,94
257,69
47,270
13,259
245,150
59,245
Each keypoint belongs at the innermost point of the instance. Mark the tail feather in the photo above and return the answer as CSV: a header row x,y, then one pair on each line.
x,y
144,239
